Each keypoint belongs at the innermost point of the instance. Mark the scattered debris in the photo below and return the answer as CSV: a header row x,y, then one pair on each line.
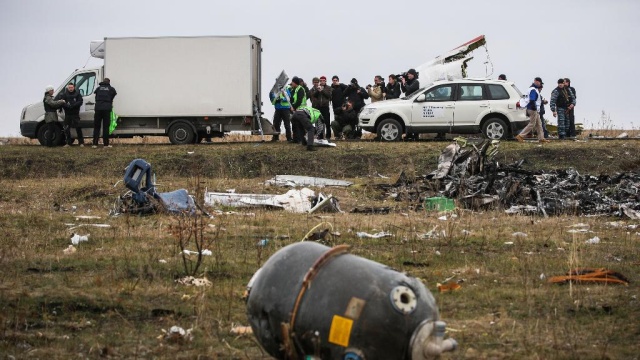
x,y
593,240
86,217
162,261
241,330
451,286
370,210
298,201
263,242
74,226
468,173
623,135
177,334
205,252
297,180
508,242
69,250
190,280
519,234
142,198
77,239
379,235
587,275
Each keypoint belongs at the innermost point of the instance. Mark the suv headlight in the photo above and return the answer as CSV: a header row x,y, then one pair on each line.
x,y
368,111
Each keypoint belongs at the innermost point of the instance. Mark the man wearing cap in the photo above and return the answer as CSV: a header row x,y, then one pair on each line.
x,y
73,100
410,82
282,113
102,117
356,94
533,108
562,101
320,95
51,107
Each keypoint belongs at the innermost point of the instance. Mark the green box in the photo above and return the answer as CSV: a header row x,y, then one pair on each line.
x,y
439,204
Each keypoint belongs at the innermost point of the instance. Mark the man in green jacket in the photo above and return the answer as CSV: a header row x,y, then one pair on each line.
x,y
307,117
50,114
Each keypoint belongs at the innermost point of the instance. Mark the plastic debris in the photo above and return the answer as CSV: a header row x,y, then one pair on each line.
x,y
379,235
241,330
593,240
451,286
176,334
192,281
443,218
205,252
263,242
77,239
69,250
588,275
508,242
297,180
298,201
519,234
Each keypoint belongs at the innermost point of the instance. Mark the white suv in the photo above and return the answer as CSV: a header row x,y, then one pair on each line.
x,y
464,106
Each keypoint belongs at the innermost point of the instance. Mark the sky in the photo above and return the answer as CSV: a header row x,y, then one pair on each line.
x,y
595,43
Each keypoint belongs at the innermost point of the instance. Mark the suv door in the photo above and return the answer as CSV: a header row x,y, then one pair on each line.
x,y
433,110
471,104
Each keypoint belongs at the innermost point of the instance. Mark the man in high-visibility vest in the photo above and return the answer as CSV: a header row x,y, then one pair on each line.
x,y
282,113
307,117
298,101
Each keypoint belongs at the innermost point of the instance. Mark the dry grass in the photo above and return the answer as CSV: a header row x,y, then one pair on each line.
x,y
114,296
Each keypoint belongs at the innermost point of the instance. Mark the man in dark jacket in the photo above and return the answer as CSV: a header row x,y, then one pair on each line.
x,y
410,82
562,101
102,118
337,94
571,113
356,94
73,103
345,122
393,88
320,95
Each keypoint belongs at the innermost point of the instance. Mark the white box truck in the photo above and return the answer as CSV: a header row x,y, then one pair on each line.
x,y
186,88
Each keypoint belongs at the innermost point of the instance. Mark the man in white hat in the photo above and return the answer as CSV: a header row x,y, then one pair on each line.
x,y
50,114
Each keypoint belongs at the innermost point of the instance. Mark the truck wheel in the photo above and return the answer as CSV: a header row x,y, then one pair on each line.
x,y
495,129
57,135
389,130
181,133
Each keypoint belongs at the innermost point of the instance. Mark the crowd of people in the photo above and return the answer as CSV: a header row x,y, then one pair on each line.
x,y
303,123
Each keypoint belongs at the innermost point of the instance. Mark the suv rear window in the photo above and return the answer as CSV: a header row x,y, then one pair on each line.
x,y
497,92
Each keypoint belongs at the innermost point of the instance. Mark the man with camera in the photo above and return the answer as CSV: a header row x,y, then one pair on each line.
x,y
378,90
410,82
320,96
345,122
356,94
393,88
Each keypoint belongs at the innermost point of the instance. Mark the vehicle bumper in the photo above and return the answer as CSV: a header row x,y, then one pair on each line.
x,y
366,124
28,129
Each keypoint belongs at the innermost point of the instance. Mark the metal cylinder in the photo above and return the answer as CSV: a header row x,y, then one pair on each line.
x,y
310,300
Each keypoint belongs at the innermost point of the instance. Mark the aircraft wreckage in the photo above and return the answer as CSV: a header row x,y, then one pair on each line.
x,y
469,173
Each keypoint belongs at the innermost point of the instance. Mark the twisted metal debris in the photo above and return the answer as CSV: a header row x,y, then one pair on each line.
x,y
468,173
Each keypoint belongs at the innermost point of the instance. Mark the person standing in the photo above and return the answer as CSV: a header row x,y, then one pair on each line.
x,y
393,88
378,90
73,103
320,96
562,101
51,107
533,108
337,94
571,114
298,101
282,113
102,117
542,111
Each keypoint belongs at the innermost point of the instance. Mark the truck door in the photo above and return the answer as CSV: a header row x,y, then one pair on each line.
x,y
471,103
433,111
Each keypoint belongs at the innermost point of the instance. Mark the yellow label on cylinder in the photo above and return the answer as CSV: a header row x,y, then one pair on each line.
x,y
340,331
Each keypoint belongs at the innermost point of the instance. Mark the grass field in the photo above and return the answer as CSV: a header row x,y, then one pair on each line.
x,y
114,295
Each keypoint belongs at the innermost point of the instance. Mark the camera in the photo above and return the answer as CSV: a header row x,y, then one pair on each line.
x,y
400,76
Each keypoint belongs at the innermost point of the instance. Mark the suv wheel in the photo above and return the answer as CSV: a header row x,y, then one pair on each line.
x,y
495,129
389,130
